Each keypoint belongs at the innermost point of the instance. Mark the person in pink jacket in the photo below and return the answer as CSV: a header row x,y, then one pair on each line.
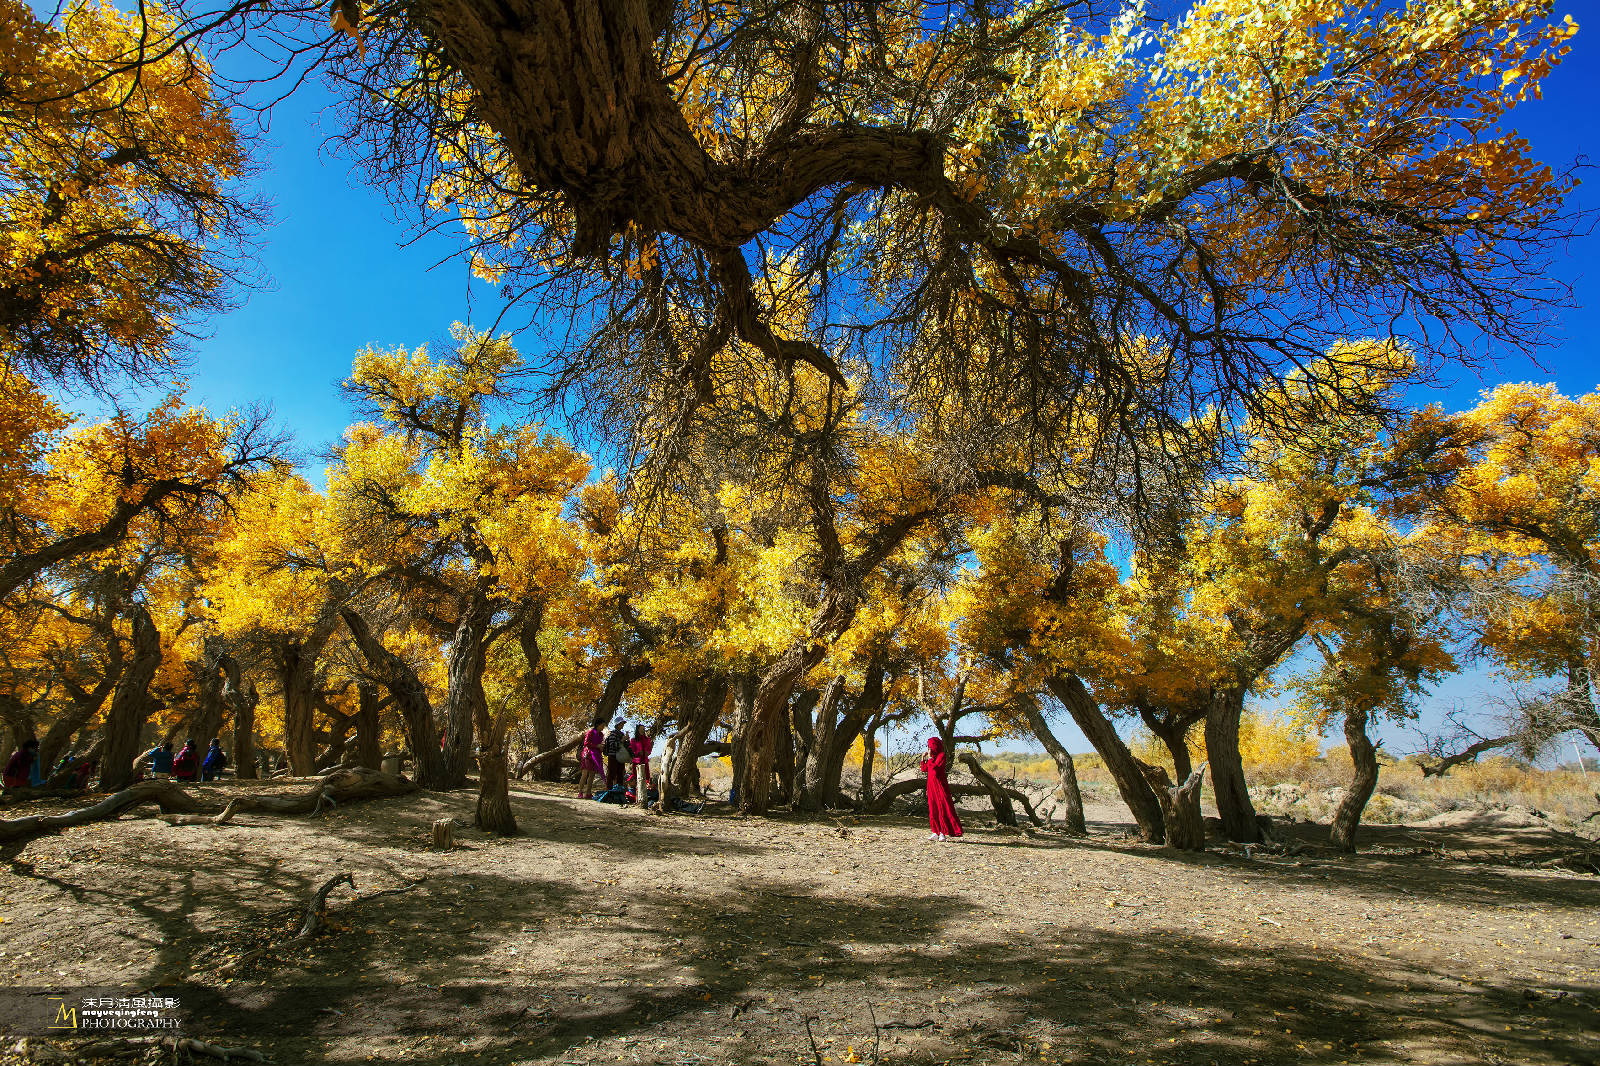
x,y
589,764
639,748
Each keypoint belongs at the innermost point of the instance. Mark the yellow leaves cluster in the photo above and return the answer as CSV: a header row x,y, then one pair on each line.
x,y
114,179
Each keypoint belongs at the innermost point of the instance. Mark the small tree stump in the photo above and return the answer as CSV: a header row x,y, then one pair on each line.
x,y
444,834
1180,807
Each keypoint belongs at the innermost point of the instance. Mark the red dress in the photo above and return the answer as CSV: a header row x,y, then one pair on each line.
x,y
941,812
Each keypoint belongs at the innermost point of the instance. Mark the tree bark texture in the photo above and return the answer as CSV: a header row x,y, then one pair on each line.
x,y
539,713
410,696
369,735
1120,763
1227,768
1363,781
243,698
464,701
693,733
1066,771
1180,807
130,702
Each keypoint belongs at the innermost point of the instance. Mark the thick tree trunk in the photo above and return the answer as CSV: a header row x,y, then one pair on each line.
x,y
1180,806
539,713
410,697
744,699
464,702
822,737
1363,780
1066,771
1227,768
210,707
693,733
768,718
243,698
297,674
369,736
130,703
1120,763
783,759
494,794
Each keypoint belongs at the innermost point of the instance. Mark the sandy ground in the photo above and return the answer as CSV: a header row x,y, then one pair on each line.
x,y
611,935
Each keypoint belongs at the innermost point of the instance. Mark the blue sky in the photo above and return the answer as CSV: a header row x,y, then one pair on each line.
x,y
347,271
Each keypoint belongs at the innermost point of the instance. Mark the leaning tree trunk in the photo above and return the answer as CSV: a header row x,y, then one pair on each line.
x,y
464,703
539,713
1066,770
813,793
693,733
1227,768
130,703
410,696
1364,779
1120,763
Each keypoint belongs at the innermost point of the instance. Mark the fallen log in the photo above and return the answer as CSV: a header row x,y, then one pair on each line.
x,y
342,786
167,795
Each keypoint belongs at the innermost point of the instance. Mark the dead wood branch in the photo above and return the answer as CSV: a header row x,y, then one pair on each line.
x,y
545,756
167,795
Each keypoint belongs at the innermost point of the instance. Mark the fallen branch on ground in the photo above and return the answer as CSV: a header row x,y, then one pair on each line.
x,y
341,786
168,795
226,1054
316,909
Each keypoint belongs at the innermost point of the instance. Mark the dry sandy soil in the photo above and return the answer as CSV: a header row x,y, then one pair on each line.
x,y
612,935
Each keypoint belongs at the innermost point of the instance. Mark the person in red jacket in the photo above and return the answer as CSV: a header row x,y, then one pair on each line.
x,y
639,749
186,764
942,821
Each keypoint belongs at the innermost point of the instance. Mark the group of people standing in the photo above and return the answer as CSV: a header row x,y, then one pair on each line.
x,y
619,760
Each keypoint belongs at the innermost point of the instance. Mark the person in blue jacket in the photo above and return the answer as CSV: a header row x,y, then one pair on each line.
x,y
215,760
160,759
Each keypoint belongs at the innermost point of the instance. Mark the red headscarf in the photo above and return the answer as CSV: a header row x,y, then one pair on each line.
x,y
935,745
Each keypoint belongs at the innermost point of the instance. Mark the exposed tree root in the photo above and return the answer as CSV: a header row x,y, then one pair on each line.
x,y
316,908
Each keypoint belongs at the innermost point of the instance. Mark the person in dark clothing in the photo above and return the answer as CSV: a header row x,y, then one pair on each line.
x,y
186,764
615,749
22,769
215,760
160,760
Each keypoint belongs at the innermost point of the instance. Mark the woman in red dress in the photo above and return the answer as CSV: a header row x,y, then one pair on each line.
x,y
942,820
